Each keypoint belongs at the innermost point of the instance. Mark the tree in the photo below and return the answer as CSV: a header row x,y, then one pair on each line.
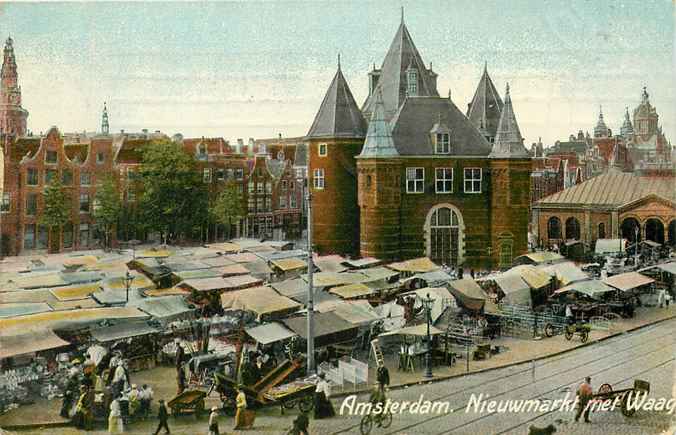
x,y
174,199
107,209
57,207
228,207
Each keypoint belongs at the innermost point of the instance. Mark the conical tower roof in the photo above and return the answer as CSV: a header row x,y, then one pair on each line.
x,y
339,115
627,128
508,140
486,106
379,141
601,129
401,57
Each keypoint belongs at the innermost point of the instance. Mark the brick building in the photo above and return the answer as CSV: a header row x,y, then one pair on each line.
x,y
426,178
611,205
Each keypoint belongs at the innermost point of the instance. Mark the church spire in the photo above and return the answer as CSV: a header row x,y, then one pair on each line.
x,y
508,140
105,127
601,129
627,129
486,106
12,115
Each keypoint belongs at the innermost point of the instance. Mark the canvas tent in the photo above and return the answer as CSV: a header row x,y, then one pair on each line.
x,y
263,301
268,333
516,290
566,273
540,257
591,288
29,341
417,331
329,328
468,293
628,281
609,246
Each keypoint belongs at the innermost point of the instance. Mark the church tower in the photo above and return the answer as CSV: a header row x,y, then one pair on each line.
x,y
335,138
12,115
486,106
510,189
379,187
105,126
601,130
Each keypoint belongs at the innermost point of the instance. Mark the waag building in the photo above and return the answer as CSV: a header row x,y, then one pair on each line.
x,y
409,174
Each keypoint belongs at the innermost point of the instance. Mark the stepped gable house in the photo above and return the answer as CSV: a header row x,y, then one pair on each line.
x,y
411,175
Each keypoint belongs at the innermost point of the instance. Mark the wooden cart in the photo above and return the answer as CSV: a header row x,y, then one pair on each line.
x,y
606,392
288,397
190,401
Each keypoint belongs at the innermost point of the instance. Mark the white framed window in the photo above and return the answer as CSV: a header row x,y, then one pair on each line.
x,y
444,180
284,184
415,180
206,175
239,174
84,203
252,204
323,150
293,203
282,201
472,180
85,178
260,186
131,195
260,204
5,206
268,187
220,174
100,158
443,143
251,186
318,179
412,82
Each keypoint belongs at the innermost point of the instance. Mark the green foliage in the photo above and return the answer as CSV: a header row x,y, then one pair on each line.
x,y
57,206
107,208
174,198
228,208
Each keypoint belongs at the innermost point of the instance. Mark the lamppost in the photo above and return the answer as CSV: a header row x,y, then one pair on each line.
x,y
127,283
428,356
310,290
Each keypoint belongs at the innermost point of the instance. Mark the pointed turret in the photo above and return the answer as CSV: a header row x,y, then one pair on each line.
x,y
508,140
601,129
402,74
12,115
105,127
627,129
486,106
379,141
339,115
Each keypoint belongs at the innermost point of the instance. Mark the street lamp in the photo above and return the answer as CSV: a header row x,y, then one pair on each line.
x,y
428,356
310,290
127,283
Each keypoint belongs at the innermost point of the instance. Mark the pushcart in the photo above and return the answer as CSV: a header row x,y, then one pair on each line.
x,y
606,393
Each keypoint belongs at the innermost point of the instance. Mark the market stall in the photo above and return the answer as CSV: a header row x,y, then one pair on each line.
x,y
135,339
329,328
565,273
264,301
468,293
539,257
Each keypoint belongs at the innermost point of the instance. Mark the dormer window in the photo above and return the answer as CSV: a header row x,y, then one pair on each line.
x,y
412,82
443,143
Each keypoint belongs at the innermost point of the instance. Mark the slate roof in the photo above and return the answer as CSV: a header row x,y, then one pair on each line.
x,y
612,189
486,106
339,115
401,56
508,140
379,137
412,125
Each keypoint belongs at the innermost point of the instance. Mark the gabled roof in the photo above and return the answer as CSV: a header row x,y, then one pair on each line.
x,y
412,125
612,189
338,116
401,56
379,137
486,106
508,140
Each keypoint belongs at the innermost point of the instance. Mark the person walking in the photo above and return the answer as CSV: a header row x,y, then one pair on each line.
x,y
660,297
323,406
244,418
180,380
115,423
213,422
584,394
163,417
383,376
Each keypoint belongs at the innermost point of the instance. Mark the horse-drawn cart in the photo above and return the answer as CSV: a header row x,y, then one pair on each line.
x,y
189,401
606,393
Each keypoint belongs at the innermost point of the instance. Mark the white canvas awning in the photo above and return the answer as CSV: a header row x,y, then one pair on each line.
x,y
270,333
417,331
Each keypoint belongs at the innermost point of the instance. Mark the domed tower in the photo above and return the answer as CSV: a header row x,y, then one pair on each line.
x,y
379,189
335,138
510,189
12,115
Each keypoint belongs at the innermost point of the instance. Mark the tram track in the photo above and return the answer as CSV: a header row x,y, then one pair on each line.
x,y
552,360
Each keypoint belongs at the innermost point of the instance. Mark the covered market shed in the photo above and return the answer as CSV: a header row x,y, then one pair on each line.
x,y
329,328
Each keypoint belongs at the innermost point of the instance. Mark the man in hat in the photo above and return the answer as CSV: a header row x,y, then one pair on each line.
x,y
244,418
213,422
584,393
163,416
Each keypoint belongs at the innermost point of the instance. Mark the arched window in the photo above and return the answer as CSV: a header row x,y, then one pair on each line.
x,y
572,229
602,231
444,236
506,246
554,228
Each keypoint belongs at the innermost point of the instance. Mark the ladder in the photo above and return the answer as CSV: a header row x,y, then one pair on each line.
x,y
375,347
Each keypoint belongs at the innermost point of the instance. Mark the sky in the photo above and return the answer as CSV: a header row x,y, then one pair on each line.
x,y
261,68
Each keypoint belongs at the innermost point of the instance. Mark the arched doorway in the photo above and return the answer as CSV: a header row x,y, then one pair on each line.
x,y
672,232
602,231
654,230
572,229
629,229
554,228
506,247
444,228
